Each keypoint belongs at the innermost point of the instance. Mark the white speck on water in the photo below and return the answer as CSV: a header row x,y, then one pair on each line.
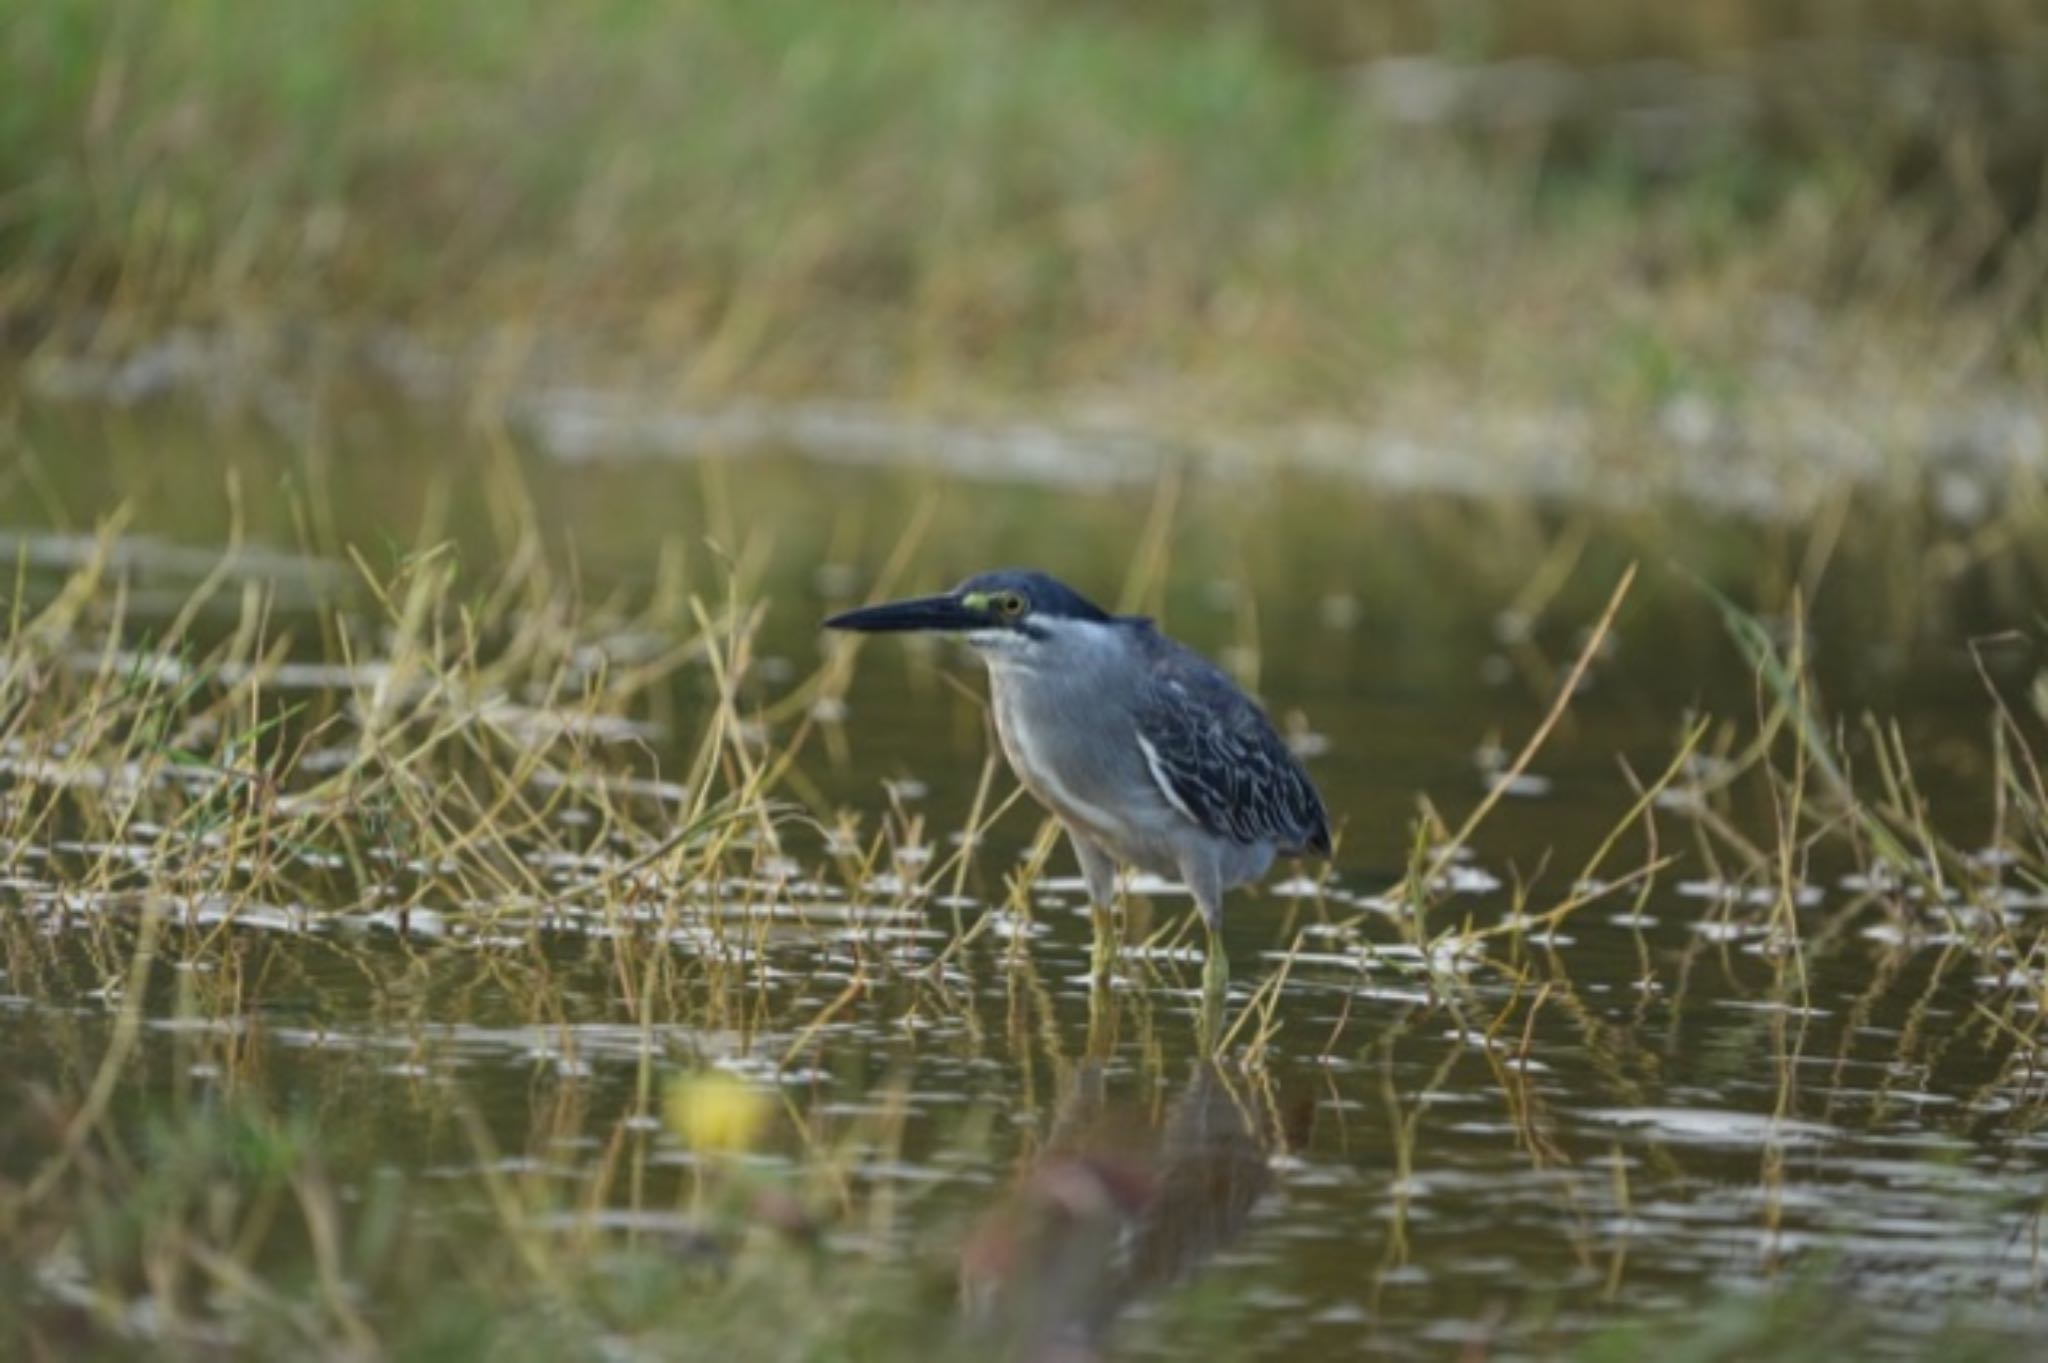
x,y
1709,1126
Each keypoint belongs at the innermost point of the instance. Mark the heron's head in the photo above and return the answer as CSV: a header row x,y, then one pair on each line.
x,y
1012,614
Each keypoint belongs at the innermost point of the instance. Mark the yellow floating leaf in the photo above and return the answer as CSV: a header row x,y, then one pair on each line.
x,y
715,1112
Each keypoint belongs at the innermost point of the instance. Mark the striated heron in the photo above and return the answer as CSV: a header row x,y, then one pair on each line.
x,y
1145,751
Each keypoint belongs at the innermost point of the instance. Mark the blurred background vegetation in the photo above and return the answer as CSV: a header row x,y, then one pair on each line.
x,y
1751,293
1226,210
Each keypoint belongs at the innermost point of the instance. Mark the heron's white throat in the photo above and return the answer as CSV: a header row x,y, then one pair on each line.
x,y
1001,645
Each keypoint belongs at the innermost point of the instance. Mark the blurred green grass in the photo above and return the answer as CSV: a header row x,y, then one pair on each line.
x,y
1177,204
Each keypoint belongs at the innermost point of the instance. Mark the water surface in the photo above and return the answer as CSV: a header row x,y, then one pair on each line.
x,y
1497,1146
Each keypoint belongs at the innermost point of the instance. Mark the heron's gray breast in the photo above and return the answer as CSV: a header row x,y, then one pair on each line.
x,y
1080,757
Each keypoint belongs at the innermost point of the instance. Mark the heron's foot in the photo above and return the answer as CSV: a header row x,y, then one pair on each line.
x,y
1215,966
1102,956
1102,1010
1215,994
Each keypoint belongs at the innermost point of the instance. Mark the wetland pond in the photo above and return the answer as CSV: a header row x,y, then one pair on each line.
x,y
459,808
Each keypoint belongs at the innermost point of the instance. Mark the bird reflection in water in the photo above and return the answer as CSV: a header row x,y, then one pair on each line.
x,y
1113,1211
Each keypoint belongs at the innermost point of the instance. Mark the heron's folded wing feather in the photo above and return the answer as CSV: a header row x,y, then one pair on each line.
x,y
1218,760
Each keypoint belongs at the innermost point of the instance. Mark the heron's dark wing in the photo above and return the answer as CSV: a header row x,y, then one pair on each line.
x,y
1217,758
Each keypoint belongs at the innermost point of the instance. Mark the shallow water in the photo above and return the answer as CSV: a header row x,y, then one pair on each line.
x,y
1669,1109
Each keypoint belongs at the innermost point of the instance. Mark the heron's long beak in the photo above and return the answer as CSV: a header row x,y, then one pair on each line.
x,y
933,614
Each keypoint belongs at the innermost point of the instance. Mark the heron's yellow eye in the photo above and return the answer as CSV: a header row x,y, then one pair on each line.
x,y
1009,605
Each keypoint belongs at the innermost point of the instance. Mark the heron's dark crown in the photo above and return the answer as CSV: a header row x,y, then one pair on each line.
x,y
1047,595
